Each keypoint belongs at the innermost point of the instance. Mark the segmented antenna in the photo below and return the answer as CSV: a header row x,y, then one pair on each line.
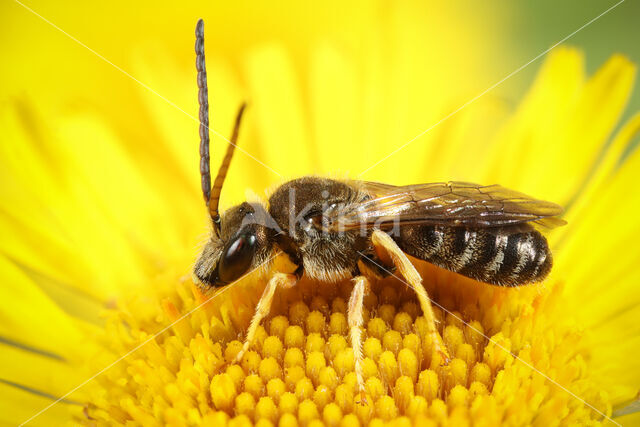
x,y
211,195
224,167
203,101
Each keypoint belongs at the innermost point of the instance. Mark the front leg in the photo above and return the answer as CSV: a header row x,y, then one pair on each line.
x,y
382,240
279,280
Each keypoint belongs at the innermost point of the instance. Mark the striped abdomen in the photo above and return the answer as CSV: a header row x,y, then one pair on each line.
x,y
499,256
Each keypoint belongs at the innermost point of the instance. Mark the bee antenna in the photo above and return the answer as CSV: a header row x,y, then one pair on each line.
x,y
211,194
203,101
224,167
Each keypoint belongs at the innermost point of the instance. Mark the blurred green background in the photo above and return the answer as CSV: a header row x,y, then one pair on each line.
x,y
535,26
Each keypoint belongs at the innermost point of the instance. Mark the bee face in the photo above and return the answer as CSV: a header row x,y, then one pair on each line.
x,y
244,242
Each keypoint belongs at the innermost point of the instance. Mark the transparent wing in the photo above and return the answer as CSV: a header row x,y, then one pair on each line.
x,y
445,203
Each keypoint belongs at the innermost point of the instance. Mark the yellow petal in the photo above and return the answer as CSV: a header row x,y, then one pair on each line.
x,y
18,405
33,318
562,125
279,111
335,109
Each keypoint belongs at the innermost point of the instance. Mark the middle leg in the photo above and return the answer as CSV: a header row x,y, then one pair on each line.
x,y
355,321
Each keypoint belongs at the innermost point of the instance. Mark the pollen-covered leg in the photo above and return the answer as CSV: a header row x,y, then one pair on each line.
x,y
381,239
355,320
279,280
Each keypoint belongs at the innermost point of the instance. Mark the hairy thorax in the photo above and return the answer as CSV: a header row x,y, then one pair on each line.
x,y
299,208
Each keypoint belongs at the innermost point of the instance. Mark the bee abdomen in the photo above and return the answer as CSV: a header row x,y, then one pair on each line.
x,y
499,256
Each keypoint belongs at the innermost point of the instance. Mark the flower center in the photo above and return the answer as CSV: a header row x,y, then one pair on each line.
x,y
515,358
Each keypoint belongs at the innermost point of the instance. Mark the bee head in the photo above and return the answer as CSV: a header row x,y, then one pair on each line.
x,y
239,241
244,242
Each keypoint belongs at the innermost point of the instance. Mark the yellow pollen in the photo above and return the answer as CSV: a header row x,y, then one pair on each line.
x,y
300,370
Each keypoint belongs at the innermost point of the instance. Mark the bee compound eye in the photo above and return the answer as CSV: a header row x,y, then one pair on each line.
x,y
236,258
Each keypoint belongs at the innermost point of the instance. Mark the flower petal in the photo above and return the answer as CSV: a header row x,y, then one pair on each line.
x,y
554,138
18,404
279,111
599,262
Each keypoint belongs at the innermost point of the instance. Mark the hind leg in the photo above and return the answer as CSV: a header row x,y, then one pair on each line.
x,y
279,280
382,240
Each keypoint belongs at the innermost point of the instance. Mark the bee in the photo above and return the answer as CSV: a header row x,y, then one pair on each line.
x,y
334,230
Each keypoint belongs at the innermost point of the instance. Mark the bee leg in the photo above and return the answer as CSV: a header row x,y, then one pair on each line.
x,y
279,280
355,320
380,239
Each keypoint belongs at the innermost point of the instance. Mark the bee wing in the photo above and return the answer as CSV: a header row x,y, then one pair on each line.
x,y
444,203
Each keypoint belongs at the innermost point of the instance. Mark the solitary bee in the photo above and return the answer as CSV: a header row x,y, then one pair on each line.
x,y
334,230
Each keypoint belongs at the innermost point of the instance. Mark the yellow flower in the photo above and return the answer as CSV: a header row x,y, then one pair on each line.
x,y
83,228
